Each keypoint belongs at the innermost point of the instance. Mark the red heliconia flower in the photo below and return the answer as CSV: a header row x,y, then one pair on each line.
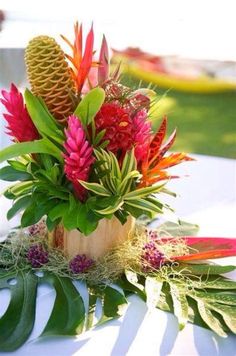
x,y
203,248
20,126
78,156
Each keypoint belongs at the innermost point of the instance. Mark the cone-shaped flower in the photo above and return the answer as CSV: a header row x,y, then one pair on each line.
x,y
78,156
20,125
49,76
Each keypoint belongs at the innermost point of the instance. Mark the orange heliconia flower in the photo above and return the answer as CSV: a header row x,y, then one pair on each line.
x,y
81,62
153,168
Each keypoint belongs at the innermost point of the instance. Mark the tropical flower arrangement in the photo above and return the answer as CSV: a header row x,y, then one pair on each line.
x,y
86,165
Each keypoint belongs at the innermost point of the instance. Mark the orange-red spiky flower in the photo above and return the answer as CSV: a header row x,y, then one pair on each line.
x,y
154,166
81,62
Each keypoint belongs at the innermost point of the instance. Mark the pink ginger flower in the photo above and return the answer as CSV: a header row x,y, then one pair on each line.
x,y
20,126
78,156
141,135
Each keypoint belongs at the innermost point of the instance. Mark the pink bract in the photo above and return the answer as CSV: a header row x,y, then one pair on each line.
x,y
78,156
20,125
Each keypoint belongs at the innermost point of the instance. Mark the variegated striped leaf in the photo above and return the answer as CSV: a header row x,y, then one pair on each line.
x,y
95,188
129,163
143,192
111,209
144,205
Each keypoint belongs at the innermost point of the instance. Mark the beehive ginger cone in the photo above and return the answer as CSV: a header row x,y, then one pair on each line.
x,y
49,76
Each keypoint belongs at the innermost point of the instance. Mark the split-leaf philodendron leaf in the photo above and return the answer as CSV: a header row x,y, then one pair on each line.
x,y
209,302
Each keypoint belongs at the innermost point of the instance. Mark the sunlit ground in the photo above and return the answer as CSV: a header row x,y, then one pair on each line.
x,y
206,123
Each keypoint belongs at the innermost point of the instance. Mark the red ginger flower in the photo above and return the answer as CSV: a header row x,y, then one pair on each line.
x,y
122,131
20,125
118,125
78,156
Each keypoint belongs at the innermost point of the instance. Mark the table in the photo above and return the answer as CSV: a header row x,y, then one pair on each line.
x,y
208,197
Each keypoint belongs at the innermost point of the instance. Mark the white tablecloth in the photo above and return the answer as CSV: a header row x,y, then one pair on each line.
x,y
208,198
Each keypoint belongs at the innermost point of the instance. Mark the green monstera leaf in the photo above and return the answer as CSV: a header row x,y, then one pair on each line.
x,y
68,316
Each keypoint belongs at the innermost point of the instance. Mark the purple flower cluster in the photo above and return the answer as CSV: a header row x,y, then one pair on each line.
x,y
152,258
37,256
80,264
39,229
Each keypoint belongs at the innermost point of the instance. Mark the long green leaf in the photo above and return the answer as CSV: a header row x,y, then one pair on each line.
x,y
143,192
11,174
144,205
24,148
115,168
96,188
19,205
42,119
129,164
204,269
111,209
126,184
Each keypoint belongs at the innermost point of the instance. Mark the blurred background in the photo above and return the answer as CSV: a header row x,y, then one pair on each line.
x,y
188,54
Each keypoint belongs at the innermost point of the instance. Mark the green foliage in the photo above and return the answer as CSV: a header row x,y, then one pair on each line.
x,y
45,123
194,300
69,315
117,187
40,146
18,321
209,302
182,228
90,105
11,174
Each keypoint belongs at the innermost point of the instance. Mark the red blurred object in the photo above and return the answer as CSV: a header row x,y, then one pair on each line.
x,y
202,248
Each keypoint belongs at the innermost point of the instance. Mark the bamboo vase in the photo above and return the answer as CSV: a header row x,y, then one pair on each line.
x,y
109,233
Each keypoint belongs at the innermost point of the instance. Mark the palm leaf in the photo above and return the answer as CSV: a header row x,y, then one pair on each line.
x,y
180,304
210,319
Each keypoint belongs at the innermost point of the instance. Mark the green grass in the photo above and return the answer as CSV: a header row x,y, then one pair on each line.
x,y
206,123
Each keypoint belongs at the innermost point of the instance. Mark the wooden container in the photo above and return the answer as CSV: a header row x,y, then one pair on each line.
x,y
109,233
